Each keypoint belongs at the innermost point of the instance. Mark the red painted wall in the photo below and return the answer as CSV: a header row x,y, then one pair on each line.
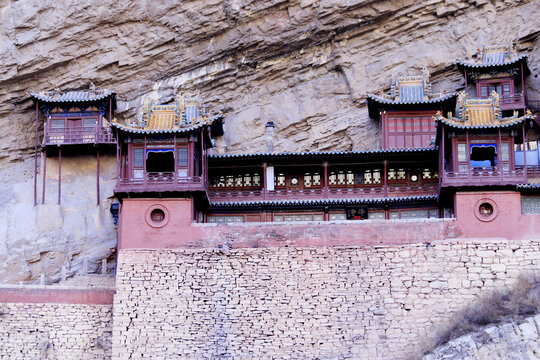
x,y
506,221
179,232
55,295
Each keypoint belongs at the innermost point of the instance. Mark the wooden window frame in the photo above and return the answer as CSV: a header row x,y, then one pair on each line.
x,y
413,132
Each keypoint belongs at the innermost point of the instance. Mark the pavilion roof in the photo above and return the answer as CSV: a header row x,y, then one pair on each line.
x,y
410,89
481,114
56,96
493,56
321,154
344,201
184,115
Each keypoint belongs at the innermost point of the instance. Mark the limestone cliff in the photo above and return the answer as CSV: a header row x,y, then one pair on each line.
x,y
303,64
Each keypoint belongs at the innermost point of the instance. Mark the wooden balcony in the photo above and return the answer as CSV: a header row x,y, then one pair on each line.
x,y
78,135
484,177
218,195
160,182
511,102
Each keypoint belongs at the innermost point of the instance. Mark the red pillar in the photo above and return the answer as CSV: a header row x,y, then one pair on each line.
x,y
117,157
385,179
499,164
468,154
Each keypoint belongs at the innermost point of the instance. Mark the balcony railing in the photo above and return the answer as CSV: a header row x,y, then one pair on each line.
x,y
160,182
78,135
484,176
513,101
224,195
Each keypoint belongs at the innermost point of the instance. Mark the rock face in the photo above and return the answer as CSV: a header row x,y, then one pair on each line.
x,y
303,64
513,340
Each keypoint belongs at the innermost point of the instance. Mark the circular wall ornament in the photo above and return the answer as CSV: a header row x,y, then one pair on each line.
x,y
485,210
157,216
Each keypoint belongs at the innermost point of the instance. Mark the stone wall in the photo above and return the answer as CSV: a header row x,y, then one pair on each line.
x,y
342,302
55,331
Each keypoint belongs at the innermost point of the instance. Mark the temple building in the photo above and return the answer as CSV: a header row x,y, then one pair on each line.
x,y
77,122
497,68
406,113
442,155
165,154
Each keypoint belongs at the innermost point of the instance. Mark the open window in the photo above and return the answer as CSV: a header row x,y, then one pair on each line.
x,y
160,160
483,156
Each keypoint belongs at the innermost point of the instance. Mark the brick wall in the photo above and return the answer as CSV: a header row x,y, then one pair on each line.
x,y
342,302
55,331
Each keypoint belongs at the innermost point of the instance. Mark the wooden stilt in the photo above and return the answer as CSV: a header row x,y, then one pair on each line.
x,y
35,157
44,174
59,175
97,180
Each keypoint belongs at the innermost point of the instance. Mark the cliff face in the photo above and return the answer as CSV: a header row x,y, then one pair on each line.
x,y
303,64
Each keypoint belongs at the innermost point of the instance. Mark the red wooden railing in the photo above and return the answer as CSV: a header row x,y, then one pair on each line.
x,y
220,195
78,135
160,182
511,98
484,176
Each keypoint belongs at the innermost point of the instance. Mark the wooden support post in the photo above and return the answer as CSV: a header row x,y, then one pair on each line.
x,y
59,175
524,152
499,157
202,170
44,174
175,161
523,88
118,158
468,154
97,180
110,111
35,157
465,70
144,161
265,182
385,178
325,180
442,166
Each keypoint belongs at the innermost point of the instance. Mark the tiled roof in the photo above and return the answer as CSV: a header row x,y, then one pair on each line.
x,y
301,154
493,56
184,115
432,100
528,186
480,114
72,96
411,89
348,201
162,124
